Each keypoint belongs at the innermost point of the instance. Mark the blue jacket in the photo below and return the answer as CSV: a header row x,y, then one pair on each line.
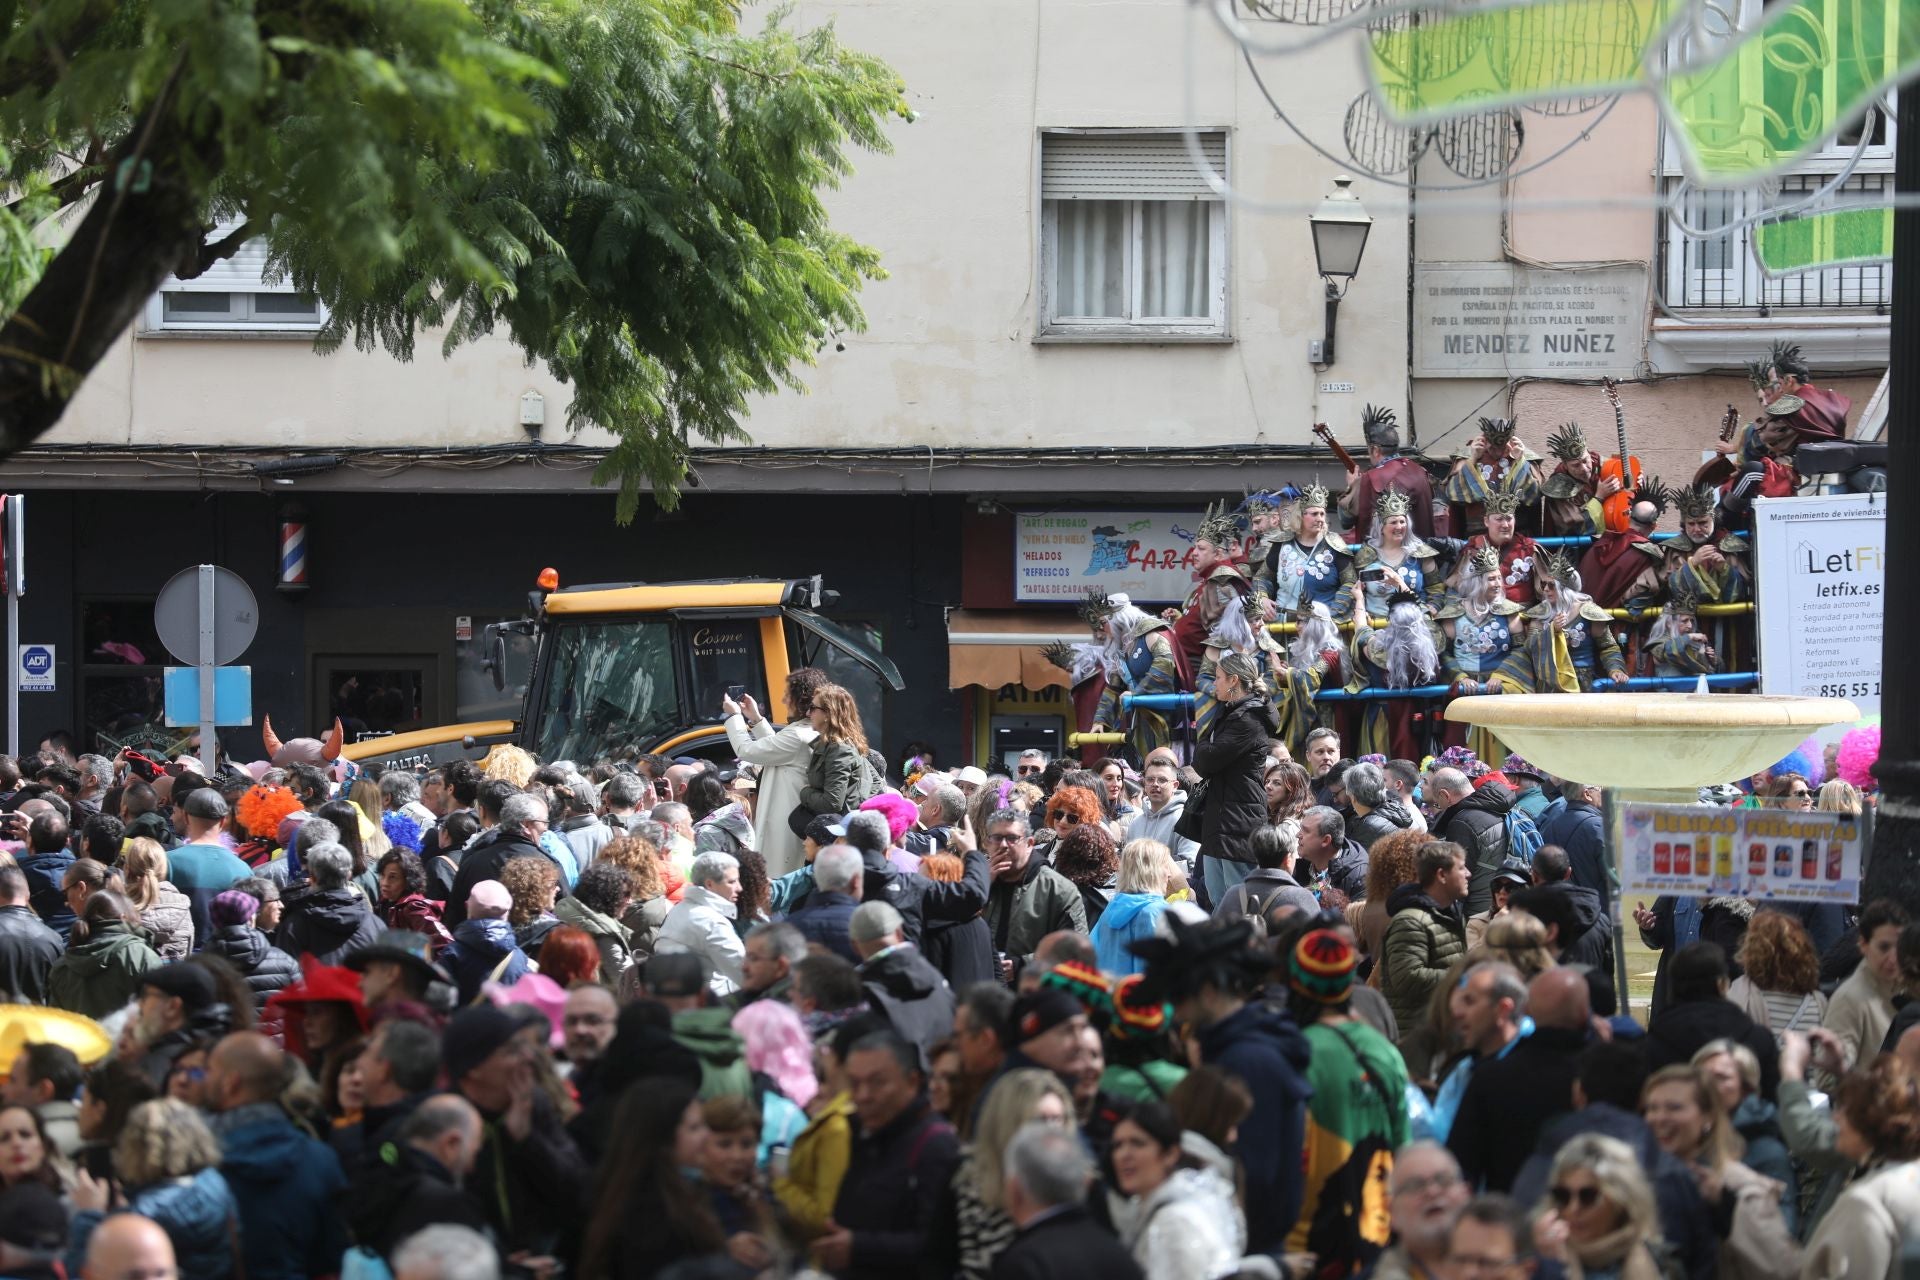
x,y
824,920
477,948
198,1214
203,872
1128,918
1576,828
44,872
285,1184
1265,1049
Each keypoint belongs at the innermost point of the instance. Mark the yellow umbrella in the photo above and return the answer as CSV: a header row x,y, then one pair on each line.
x,y
24,1024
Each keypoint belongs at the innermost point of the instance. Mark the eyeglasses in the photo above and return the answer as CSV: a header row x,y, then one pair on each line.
x,y
1003,837
1423,1186
1588,1196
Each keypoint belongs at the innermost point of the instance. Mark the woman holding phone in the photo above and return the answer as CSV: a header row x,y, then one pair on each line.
x,y
781,757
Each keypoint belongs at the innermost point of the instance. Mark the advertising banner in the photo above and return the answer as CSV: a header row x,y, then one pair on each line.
x,y
1787,855
1058,556
1822,564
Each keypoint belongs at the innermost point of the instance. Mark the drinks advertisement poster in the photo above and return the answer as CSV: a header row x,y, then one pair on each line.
x,y
1788,855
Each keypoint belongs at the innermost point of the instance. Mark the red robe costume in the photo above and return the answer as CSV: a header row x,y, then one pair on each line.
x,y
1404,474
1516,564
1615,562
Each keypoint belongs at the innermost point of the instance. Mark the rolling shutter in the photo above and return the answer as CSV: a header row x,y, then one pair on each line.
x,y
1127,166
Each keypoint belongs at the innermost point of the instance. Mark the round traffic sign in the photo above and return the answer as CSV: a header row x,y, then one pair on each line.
x,y
176,616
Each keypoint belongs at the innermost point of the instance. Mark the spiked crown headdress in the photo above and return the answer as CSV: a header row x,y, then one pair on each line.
x,y
1696,503
1503,502
1314,495
1218,525
1379,426
1390,504
1556,565
1569,443
1095,607
1484,560
1497,432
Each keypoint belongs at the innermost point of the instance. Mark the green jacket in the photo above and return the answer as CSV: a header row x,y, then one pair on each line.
x,y
839,778
709,1035
1149,1082
1422,943
97,977
613,938
1021,912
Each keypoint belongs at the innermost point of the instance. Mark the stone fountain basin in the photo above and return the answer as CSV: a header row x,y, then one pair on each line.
x,y
1652,741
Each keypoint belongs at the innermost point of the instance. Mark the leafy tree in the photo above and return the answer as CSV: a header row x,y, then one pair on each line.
x,y
630,188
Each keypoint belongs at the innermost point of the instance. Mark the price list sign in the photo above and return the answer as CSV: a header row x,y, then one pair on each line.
x,y
1822,566
1785,855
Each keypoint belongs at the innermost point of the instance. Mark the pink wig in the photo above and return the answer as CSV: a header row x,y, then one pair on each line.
x,y
777,1044
900,813
1859,748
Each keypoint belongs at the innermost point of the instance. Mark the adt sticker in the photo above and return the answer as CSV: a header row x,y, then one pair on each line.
x,y
36,668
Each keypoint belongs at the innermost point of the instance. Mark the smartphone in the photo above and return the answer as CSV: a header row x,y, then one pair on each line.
x,y
736,691
1373,573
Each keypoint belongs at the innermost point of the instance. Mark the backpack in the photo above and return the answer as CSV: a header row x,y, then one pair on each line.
x,y
1255,912
1523,838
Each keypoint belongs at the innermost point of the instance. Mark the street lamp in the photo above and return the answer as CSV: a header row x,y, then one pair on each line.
x,y
1340,229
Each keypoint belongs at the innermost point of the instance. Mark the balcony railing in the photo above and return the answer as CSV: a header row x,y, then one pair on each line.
x,y
1721,274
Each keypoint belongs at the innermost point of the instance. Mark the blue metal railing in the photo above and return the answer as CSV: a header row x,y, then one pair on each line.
x,y
1636,684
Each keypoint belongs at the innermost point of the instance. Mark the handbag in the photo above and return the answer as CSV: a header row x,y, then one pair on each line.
x,y
1194,815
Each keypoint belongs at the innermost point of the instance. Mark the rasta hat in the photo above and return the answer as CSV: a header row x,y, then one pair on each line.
x,y
1182,958
1390,504
1497,432
1696,502
1556,565
1484,560
1314,495
1095,607
1321,967
1087,985
1134,1016
1219,526
1568,444
1379,427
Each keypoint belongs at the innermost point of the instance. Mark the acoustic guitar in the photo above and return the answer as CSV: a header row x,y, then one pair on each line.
x,y
1325,433
1719,468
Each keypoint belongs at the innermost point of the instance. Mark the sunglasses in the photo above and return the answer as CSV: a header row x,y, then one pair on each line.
x,y
1587,1196
1801,794
1028,770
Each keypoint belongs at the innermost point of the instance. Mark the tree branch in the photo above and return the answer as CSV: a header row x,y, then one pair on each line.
x,y
225,247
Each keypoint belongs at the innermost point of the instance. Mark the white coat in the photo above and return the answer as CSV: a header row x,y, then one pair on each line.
x,y
702,923
782,760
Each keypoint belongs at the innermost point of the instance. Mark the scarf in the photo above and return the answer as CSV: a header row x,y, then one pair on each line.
x,y
1621,1252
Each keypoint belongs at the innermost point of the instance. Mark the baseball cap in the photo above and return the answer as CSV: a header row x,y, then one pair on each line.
x,y
1514,871
970,775
826,828
192,983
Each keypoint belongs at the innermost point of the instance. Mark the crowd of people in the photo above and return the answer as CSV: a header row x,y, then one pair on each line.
x,y
640,1017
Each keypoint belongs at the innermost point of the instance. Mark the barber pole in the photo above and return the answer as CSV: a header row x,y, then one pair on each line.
x,y
292,579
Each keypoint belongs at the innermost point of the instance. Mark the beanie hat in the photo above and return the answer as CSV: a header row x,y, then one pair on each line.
x,y
235,906
489,900
1084,983
1321,967
1039,1012
1135,1017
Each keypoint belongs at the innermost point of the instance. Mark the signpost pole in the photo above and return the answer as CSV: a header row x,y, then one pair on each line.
x,y
209,744
1609,816
16,556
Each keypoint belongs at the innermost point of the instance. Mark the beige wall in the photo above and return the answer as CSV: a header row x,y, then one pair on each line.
x,y
948,358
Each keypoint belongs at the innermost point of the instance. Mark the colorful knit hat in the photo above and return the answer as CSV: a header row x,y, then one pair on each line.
x,y
1087,985
233,907
1134,1017
1321,967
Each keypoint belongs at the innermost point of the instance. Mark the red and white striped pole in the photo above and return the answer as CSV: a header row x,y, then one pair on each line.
x,y
292,577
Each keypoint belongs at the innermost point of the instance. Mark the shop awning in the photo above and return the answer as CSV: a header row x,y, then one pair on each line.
x,y
994,647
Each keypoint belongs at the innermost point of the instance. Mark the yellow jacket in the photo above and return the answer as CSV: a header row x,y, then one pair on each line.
x,y
816,1165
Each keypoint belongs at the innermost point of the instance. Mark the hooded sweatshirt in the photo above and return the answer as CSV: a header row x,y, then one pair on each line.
x,y
97,977
708,1033
476,952
1129,917
1265,1049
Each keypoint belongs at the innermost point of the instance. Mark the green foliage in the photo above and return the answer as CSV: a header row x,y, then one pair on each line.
x,y
630,189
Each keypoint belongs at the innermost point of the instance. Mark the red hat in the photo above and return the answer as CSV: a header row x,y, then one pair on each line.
x,y
318,984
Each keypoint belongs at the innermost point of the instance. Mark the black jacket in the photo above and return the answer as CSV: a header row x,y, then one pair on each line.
x,y
919,899
1478,824
1232,761
1684,1223
911,994
484,861
28,949
1067,1245
1586,930
1506,1102
531,1191
1375,823
265,967
824,920
403,1191
1685,1027
962,950
327,924
1576,828
891,1190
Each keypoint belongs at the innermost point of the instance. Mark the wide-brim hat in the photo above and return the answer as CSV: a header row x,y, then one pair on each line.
x,y
404,947
533,997
1516,767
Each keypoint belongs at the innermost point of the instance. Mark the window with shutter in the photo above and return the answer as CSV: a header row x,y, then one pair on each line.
x,y
1134,241
233,295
